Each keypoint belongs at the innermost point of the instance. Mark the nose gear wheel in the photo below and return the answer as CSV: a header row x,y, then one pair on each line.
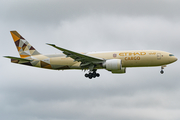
x,y
162,71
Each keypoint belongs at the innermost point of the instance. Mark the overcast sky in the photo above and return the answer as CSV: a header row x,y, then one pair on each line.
x,y
28,93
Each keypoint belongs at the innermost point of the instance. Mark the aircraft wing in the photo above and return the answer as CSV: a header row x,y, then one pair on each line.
x,y
16,58
85,60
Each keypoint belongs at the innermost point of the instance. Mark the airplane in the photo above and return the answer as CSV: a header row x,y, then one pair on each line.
x,y
115,62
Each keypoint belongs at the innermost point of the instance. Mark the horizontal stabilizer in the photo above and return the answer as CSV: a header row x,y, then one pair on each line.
x,y
16,58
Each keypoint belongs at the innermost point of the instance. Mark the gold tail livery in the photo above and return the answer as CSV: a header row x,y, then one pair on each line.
x,y
115,62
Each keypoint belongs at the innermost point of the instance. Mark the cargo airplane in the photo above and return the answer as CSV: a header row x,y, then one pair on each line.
x,y
115,62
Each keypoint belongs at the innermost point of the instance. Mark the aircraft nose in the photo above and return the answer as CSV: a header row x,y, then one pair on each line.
x,y
176,59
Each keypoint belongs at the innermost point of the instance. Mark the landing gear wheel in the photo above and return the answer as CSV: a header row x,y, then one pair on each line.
x,y
90,75
86,75
93,75
161,71
97,74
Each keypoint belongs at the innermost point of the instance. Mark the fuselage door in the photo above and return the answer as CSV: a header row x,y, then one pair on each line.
x,y
158,56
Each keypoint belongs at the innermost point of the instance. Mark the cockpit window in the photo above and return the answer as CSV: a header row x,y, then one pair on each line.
x,y
171,55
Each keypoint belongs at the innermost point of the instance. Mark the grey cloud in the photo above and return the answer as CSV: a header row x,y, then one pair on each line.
x,y
126,32
48,89
52,12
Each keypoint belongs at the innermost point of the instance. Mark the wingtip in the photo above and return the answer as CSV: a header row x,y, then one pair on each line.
x,y
50,44
6,56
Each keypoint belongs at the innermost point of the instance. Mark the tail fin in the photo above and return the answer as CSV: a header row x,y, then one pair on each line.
x,y
23,46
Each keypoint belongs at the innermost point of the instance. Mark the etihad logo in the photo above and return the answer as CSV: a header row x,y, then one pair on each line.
x,y
132,53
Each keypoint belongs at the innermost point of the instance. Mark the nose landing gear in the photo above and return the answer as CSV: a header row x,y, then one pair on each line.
x,y
162,71
92,74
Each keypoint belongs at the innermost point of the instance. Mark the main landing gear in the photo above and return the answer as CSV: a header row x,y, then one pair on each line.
x,y
92,74
162,71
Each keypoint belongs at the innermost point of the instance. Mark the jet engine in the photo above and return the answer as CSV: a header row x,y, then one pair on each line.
x,y
114,65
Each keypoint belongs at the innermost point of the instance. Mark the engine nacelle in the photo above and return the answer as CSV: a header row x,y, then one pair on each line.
x,y
113,64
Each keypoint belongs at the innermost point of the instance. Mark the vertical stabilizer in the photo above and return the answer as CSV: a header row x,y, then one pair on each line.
x,y
23,46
